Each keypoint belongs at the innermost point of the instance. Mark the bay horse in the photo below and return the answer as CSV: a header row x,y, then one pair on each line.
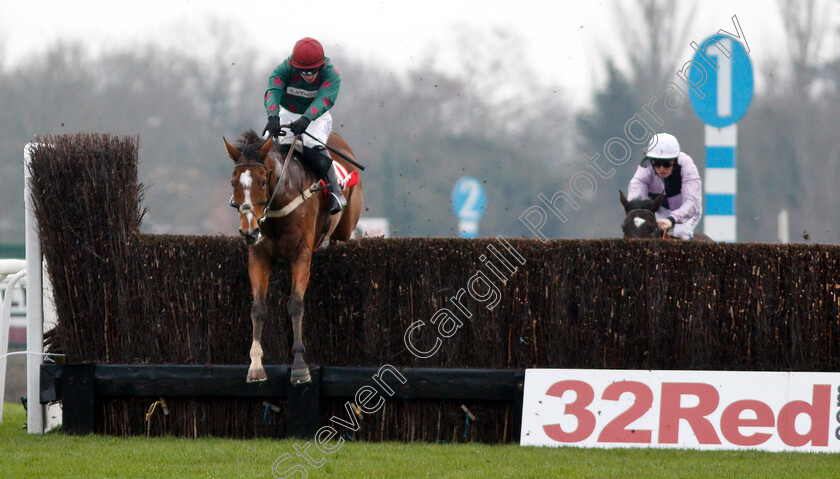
x,y
640,221
284,215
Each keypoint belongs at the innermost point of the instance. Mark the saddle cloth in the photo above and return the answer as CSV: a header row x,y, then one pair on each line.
x,y
345,179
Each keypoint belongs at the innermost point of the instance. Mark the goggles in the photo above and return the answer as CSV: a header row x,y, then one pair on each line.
x,y
658,162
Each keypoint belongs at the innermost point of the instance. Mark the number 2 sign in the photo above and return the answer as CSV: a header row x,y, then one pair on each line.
x,y
468,199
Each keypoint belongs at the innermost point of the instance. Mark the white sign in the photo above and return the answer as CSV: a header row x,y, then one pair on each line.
x,y
372,228
772,411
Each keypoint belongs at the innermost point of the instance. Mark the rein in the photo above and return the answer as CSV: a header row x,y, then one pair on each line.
x,y
248,208
299,200
277,183
291,206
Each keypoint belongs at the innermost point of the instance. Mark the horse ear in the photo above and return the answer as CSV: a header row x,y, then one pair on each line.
x,y
624,202
233,153
266,148
657,202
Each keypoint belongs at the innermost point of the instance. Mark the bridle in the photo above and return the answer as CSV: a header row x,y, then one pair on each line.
x,y
267,211
249,207
657,230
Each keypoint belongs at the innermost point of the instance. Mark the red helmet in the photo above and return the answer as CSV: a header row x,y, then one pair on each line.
x,y
308,54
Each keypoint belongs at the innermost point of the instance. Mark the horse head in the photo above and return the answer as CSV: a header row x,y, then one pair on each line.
x,y
251,182
640,221
642,203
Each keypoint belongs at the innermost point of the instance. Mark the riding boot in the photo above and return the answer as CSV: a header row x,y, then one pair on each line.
x,y
337,200
319,161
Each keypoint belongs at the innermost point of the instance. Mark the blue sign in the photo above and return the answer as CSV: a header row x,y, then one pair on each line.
x,y
468,199
720,81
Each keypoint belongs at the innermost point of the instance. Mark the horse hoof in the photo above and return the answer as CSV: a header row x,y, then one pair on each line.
x,y
300,376
256,376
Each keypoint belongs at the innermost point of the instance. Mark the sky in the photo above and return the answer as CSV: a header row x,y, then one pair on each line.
x,y
565,41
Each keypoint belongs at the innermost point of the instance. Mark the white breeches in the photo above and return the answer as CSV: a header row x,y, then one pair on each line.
x,y
320,128
680,230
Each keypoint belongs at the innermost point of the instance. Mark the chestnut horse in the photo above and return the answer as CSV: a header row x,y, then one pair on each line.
x,y
283,215
640,221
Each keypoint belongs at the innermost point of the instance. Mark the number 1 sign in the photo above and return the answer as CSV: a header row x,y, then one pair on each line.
x,y
720,81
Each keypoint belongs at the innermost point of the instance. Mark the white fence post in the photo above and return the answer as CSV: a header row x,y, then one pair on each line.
x,y
34,308
783,226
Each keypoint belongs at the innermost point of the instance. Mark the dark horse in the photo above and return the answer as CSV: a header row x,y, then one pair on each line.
x,y
283,215
640,221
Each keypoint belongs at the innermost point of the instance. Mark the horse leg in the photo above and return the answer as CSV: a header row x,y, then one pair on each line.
x,y
258,270
300,278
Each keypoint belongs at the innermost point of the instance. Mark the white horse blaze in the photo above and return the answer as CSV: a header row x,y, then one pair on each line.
x,y
245,180
638,222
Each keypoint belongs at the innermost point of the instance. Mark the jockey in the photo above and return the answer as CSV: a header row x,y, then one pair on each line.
x,y
673,172
300,92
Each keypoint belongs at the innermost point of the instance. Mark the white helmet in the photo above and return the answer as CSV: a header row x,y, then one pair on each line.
x,y
663,146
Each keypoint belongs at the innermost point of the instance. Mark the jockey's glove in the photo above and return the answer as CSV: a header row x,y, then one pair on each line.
x,y
299,126
666,223
273,126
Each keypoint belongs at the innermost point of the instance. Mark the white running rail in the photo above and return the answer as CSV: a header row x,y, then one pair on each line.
x,y
12,272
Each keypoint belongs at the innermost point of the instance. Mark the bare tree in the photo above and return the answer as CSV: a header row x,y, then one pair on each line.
x,y
653,33
805,27
417,134
788,152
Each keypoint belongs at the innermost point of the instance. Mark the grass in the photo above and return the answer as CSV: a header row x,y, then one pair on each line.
x,y
55,455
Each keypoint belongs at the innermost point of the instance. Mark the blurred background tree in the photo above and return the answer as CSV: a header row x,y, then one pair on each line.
x,y
421,130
